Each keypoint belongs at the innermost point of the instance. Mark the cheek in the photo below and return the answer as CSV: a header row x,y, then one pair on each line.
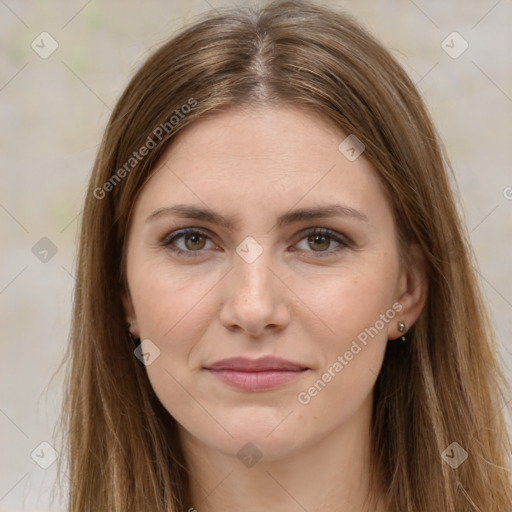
x,y
165,300
351,300
173,309
356,311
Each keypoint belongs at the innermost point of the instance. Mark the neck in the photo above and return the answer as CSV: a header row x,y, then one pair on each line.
x,y
329,474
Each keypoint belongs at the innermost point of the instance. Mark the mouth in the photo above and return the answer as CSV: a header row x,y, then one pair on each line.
x,y
256,374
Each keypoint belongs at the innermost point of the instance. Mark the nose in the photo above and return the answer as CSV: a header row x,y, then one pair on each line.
x,y
256,300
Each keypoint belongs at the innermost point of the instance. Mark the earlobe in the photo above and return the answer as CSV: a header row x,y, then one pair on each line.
x,y
412,290
129,310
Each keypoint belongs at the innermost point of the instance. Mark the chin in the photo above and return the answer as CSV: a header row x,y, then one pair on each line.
x,y
272,433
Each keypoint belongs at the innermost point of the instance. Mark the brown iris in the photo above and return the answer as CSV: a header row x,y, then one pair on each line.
x,y
195,241
321,241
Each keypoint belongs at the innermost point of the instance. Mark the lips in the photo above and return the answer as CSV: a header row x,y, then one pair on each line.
x,y
253,375
243,364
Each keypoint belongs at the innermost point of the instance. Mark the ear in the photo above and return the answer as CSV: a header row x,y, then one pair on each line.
x,y
130,313
412,289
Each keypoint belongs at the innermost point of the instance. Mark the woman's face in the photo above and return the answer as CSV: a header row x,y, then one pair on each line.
x,y
264,273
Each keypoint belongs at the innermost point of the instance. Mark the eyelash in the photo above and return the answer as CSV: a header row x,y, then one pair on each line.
x,y
169,239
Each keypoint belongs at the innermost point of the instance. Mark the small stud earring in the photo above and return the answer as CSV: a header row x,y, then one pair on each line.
x,y
401,328
136,342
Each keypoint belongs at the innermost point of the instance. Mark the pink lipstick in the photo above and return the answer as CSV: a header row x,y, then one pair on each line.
x,y
260,374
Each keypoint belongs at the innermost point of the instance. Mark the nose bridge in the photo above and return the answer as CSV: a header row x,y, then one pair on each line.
x,y
254,298
252,276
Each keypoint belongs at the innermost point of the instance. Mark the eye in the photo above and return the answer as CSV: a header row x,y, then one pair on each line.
x,y
188,241
191,242
320,241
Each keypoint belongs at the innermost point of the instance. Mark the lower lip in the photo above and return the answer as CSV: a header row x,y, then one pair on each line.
x,y
256,381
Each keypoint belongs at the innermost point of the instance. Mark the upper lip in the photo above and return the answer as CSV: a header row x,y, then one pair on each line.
x,y
244,364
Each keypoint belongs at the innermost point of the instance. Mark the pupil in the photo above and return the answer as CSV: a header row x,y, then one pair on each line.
x,y
321,240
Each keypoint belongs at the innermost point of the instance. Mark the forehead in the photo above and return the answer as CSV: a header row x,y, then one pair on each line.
x,y
258,158
273,139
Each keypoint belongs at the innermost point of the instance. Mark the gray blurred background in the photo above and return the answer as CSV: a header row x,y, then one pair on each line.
x,y
54,107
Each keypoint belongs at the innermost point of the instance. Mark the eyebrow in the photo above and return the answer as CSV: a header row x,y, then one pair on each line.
x,y
229,222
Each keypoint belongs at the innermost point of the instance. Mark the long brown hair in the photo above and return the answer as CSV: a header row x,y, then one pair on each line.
x,y
442,386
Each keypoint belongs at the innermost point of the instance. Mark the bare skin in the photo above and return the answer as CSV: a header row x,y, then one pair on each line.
x,y
305,298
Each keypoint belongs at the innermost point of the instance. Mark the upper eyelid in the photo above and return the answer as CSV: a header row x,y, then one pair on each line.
x,y
184,231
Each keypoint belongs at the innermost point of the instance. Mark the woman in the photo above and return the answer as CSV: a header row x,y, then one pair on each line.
x,y
275,305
